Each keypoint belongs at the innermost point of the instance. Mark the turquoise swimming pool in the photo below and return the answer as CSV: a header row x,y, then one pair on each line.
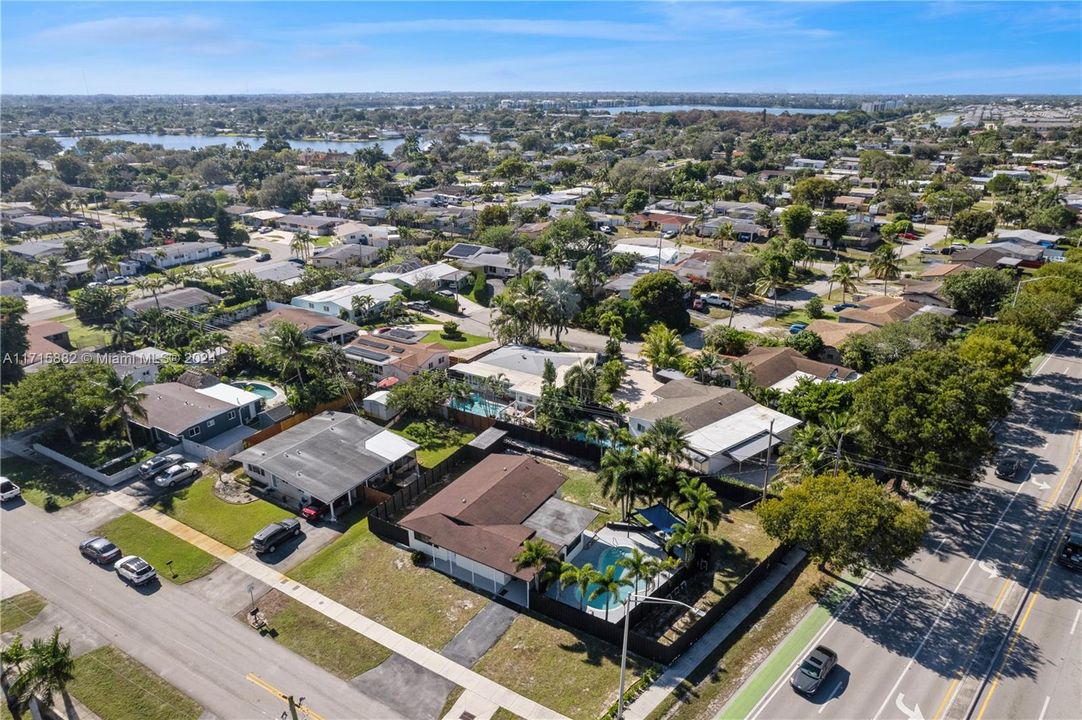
x,y
261,389
478,405
609,557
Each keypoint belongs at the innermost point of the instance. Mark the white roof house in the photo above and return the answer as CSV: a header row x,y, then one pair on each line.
x,y
522,367
332,302
669,255
440,274
230,394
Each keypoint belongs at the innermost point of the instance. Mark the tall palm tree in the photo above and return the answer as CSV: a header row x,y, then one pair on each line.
x,y
14,656
99,258
538,554
287,349
668,438
743,378
151,284
885,265
607,583
620,477
580,380
704,364
51,667
686,536
125,402
123,334
563,304
637,564
846,278
521,260
53,272
662,347
699,503
176,276
580,577
769,282
723,234
301,245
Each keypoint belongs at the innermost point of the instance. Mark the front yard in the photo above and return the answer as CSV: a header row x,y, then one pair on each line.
x,y
437,439
198,507
566,670
41,481
116,686
379,581
174,559
20,609
464,340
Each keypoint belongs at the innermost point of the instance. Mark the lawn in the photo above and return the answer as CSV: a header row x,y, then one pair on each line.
x,y
116,686
135,536
581,488
20,609
465,340
40,481
314,636
198,507
800,315
437,440
566,670
84,336
323,241
379,581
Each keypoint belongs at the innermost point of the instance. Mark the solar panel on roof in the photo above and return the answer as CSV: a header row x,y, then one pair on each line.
x,y
373,343
368,354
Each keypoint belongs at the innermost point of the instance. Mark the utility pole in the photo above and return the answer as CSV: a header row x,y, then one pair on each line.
x,y
838,453
769,447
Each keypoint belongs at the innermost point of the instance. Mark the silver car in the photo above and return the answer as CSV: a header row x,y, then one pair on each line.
x,y
177,474
156,464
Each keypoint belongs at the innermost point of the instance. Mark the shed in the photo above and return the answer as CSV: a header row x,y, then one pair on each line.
x,y
490,441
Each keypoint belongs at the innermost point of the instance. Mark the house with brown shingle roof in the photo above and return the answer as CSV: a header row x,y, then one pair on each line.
x,y
880,310
394,358
780,368
476,526
834,334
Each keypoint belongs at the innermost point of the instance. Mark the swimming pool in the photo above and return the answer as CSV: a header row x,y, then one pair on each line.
x,y
609,557
478,405
261,389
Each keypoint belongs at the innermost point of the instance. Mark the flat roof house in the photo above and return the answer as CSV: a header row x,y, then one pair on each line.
x,y
440,276
331,457
37,250
336,300
42,223
188,299
180,253
390,358
723,426
311,224
315,326
345,255
522,368
475,526
355,233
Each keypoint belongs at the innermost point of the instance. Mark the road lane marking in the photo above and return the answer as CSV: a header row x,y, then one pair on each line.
x,y
1074,625
833,694
989,568
892,611
912,714
1044,708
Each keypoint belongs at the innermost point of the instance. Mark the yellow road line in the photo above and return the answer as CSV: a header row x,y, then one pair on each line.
x,y
308,712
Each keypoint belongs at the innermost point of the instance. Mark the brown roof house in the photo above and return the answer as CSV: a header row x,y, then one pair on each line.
x,y
397,358
473,528
780,368
834,335
880,310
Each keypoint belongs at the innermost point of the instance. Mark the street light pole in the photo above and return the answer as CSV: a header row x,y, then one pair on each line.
x,y
769,447
1018,287
623,652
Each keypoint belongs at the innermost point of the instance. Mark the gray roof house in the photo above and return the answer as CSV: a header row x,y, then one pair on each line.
x,y
189,299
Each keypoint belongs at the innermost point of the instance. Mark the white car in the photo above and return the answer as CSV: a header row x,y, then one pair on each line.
x,y
135,570
177,474
118,280
8,490
716,299
929,250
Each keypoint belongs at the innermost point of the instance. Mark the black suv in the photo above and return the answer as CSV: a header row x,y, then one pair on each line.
x,y
813,671
269,538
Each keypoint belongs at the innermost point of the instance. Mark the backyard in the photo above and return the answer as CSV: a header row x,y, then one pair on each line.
x,y
463,340
437,439
40,481
582,488
115,686
83,336
198,507
380,581
173,558
568,671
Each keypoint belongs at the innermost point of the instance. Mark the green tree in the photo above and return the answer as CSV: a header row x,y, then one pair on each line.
x,y
771,278
125,403
807,343
846,521
99,305
607,583
661,298
635,201
73,395
286,349
161,216
620,478
796,219
972,224
666,438
539,555
200,205
638,566
833,226
422,393
885,265
699,503
978,293
735,274
580,577
521,260
814,307
845,276
49,668
662,347
812,401
815,192
13,338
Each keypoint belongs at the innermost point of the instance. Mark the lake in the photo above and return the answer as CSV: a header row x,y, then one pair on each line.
x,y
683,108
187,142
946,121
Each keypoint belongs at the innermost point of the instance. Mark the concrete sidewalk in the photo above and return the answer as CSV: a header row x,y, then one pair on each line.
x,y
689,661
485,689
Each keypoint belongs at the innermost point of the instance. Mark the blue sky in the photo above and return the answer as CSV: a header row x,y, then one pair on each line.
x,y
237,47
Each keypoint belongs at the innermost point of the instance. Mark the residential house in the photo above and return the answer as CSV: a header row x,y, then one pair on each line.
x,y
355,233
498,265
743,230
181,253
210,422
834,334
474,527
332,458
1027,254
311,224
649,254
316,326
188,299
438,276
521,368
338,302
465,251
345,256
976,256
696,267
394,358
1032,237
780,368
666,222
848,203
285,271
37,250
533,230
799,163
879,311
42,223
738,210
261,218
723,426
924,292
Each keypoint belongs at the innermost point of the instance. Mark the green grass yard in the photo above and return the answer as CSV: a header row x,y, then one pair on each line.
x,y
465,340
314,636
39,481
379,581
198,507
83,336
116,686
581,488
135,536
437,440
20,609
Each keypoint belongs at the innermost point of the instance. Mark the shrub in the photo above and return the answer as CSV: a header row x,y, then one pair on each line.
x,y
451,331
815,307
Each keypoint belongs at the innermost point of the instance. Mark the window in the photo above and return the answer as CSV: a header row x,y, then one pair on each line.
x,y
232,414
193,432
210,423
255,470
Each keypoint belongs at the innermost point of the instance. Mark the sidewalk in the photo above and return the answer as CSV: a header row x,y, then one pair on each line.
x,y
484,689
678,671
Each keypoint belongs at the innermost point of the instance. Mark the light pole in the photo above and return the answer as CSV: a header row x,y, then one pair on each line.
x,y
623,652
1018,287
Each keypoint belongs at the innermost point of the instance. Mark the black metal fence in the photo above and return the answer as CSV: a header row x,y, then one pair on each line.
x,y
382,519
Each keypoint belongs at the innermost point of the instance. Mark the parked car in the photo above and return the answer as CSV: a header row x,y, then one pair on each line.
x,y
135,570
177,474
314,510
1007,468
1070,554
446,294
842,306
918,218
813,671
94,284
264,230
797,327
607,229
668,234
949,250
9,490
156,464
908,236
100,550
717,300
269,538
262,257
419,305
118,280
928,250
698,304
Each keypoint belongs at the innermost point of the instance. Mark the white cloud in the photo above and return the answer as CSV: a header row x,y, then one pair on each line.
x,y
194,33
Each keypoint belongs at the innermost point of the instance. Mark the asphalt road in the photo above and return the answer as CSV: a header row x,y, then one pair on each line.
x,y
930,639
200,650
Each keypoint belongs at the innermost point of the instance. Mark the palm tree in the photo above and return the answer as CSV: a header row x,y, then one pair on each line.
x,y
723,234
885,265
98,258
666,437
14,656
287,349
53,272
620,477
581,381
301,245
521,260
846,278
563,304
704,364
556,257
151,283
686,536
770,280
539,555
637,563
176,276
607,583
123,334
699,503
51,668
125,401
743,378
662,347
580,577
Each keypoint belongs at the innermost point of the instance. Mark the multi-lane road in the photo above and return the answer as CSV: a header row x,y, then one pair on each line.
x,y
981,623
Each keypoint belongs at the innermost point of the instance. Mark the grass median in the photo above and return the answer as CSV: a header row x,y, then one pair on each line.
x,y
40,481
20,609
116,686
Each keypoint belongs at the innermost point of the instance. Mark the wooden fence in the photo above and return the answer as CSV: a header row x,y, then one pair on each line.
x,y
296,419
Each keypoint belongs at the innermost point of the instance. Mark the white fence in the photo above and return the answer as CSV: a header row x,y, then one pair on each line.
x,y
126,474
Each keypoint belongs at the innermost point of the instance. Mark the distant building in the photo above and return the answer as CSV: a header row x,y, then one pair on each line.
x,y
181,253
335,301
